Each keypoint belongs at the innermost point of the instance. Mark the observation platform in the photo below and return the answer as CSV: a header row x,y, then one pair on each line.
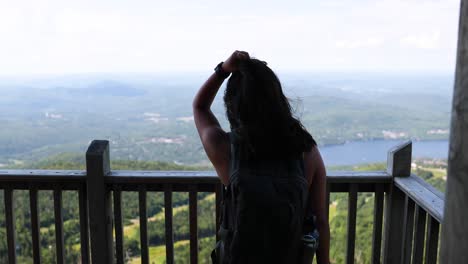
x,y
406,217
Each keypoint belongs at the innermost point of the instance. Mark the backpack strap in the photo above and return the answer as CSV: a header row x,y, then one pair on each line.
x,y
234,154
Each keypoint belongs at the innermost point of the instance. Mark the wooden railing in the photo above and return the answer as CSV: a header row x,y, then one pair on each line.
x,y
410,201
402,203
56,181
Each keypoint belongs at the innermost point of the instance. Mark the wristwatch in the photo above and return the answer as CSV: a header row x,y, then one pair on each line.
x,y
220,72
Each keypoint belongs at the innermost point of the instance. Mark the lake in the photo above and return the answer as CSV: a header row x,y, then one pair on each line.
x,y
358,152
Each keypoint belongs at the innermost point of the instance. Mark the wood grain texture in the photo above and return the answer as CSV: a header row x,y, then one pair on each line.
x,y
454,244
193,223
432,241
35,226
169,237
394,214
420,224
143,225
119,251
99,206
10,224
399,166
84,226
425,197
58,216
408,225
399,160
378,220
351,228
72,179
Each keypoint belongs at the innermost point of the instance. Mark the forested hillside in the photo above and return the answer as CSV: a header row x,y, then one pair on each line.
x,y
152,119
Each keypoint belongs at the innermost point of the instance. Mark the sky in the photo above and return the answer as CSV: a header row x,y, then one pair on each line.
x,y
139,36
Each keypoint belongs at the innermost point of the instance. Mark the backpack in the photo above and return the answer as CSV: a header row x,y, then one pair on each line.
x,y
263,210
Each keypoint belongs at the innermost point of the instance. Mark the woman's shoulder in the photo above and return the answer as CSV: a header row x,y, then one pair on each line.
x,y
312,153
313,163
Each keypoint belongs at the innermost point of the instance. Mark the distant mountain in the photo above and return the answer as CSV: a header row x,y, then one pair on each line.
x,y
109,88
45,117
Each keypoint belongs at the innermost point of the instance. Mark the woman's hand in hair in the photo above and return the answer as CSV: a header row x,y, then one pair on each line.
x,y
232,63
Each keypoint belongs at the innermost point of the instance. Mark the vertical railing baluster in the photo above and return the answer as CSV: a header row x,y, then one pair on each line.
x,y
432,240
408,224
10,224
119,254
420,222
193,225
84,228
398,165
99,202
351,229
394,215
169,237
59,242
143,225
35,226
377,227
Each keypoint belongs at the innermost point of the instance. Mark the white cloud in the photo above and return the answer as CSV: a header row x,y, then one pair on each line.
x,y
58,36
361,43
422,40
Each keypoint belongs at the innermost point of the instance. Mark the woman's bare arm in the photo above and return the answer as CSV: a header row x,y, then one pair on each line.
x,y
316,174
214,139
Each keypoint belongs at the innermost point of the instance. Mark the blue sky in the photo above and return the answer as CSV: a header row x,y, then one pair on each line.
x,y
60,37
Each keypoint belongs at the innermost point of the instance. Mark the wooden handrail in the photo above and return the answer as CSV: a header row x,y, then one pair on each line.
x,y
424,195
130,176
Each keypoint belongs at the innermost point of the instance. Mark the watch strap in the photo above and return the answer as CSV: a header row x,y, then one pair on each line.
x,y
220,72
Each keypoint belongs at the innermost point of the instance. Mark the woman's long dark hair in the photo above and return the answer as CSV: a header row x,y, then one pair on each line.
x,y
261,116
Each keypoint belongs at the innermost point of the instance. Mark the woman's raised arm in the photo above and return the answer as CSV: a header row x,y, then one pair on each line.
x,y
214,139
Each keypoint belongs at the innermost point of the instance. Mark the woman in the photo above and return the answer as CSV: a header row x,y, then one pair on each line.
x,y
265,140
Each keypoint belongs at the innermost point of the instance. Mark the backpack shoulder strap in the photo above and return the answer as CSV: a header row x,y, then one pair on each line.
x,y
234,153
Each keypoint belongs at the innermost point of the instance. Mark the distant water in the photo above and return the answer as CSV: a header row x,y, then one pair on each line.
x,y
357,152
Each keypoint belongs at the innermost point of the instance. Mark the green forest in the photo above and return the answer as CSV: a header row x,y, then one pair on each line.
x,y
206,217
153,119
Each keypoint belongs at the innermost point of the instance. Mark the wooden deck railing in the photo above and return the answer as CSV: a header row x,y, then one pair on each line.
x,y
404,205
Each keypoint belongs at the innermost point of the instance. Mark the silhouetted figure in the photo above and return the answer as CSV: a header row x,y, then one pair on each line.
x,y
274,175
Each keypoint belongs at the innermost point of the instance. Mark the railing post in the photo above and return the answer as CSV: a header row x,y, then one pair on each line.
x,y
398,165
99,206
